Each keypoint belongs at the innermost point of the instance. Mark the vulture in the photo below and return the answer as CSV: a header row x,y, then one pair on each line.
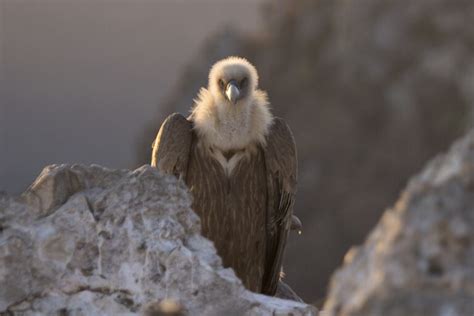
x,y
239,163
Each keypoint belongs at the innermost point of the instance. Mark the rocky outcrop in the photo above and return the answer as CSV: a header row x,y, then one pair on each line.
x,y
419,260
92,241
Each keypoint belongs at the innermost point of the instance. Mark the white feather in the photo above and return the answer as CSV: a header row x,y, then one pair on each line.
x,y
223,126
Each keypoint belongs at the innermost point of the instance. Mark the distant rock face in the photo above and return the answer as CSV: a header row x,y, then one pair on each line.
x,y
92,241
419,260
357,81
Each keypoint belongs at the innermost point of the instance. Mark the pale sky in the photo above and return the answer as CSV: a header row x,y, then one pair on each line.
x,y
80,79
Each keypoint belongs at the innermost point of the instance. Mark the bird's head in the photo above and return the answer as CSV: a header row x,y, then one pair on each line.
x,y
232,113
233,81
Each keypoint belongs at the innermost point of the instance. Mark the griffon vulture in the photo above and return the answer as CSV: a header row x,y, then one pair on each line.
x,y
239,162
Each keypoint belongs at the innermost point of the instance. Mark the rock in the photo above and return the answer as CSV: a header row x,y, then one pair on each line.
x,y
419,259
85,240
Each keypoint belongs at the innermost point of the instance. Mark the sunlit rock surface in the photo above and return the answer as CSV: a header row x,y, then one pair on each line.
x,y
85,240
419,260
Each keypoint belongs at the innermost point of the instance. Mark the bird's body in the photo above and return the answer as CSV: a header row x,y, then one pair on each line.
x,y
238,204
240,166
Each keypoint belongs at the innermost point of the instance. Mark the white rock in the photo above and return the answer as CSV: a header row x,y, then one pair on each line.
x,y
92,241
419,259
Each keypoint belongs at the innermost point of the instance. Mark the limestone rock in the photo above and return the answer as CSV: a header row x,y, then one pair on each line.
x,y
85,240
419,260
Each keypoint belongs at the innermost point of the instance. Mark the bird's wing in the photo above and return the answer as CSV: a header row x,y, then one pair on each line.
x,y
281,165
172,145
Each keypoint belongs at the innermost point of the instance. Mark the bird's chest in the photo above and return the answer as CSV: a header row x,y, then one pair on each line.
x,y
232,181
232,209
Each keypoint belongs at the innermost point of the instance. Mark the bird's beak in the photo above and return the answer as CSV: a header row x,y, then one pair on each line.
x,y
232,92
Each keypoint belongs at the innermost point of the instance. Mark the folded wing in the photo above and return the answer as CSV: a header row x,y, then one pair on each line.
x,y
281,165
172,146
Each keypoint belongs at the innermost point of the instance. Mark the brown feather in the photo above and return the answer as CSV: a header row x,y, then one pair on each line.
x,y
281,167
172,145
232,210
247,214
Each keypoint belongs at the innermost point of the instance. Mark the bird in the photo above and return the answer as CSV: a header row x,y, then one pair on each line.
x,y
240,165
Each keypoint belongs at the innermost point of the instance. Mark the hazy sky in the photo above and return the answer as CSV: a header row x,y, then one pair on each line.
x,y
80,79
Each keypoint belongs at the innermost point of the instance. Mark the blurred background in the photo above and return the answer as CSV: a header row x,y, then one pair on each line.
x,y
372,89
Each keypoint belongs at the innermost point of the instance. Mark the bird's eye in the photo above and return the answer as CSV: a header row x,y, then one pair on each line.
x,y
243,82
221,83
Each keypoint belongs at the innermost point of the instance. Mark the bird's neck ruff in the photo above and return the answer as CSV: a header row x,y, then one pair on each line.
x,y
231,127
